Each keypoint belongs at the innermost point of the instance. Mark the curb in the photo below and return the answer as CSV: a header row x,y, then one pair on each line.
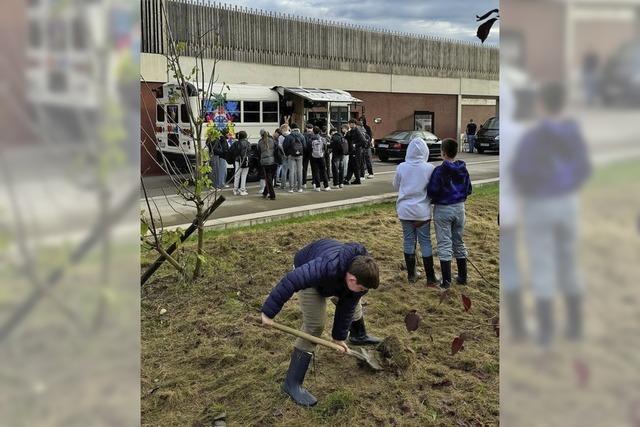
x,y
298,211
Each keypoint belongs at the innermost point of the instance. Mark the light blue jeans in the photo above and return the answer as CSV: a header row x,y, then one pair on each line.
x,y
413,234
551,240
295,173
449,225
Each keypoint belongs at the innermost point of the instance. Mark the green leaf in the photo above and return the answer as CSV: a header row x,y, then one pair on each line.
x,y
144,228
202,259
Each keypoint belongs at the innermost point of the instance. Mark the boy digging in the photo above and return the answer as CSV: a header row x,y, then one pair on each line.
x,y
448,189
324,268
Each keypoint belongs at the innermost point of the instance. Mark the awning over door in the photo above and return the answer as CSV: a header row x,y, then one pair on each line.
x,y
319,95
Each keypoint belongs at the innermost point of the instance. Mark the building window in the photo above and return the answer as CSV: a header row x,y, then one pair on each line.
x,y
251,112
339,116
159,113
270,112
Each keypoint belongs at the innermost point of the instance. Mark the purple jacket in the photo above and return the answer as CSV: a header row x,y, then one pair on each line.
x,y
322,265
449,183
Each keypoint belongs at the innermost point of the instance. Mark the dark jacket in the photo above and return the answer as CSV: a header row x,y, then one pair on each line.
x,y
241,151
551,160
356,140
287,144
449,184
322,265
218,147
336,143
308,137
471,128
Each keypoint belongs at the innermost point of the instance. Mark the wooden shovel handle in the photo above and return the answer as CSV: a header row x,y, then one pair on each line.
x,y
309,337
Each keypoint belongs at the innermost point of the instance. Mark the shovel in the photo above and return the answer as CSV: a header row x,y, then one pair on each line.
x,y
364,355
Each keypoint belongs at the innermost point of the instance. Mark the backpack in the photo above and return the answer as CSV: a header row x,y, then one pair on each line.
x,y
344,144
230,155
297,146
365,137
317,148
278,153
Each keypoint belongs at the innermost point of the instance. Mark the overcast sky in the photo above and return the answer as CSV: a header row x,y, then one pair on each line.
x,y
454,19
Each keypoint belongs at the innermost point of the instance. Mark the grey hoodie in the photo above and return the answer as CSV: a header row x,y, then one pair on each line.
x,y
412,177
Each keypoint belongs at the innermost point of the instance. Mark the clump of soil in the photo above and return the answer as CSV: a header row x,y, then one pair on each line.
x,y
394,353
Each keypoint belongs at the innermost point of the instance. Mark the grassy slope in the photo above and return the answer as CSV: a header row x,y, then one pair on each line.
x,y
207,354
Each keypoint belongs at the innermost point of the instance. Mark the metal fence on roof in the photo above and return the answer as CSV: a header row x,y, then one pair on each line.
x,y
255,36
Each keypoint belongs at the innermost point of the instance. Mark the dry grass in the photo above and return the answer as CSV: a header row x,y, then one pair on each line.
x,y
207,354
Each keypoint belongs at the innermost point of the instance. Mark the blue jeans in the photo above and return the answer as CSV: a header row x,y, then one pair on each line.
x,y
471,140
551,240
413,233
218,171
449,224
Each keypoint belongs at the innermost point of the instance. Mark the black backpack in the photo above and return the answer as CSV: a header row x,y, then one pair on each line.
x,y
297,144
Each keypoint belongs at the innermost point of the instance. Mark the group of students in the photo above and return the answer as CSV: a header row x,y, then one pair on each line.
x,y
338,156
286,155
346,271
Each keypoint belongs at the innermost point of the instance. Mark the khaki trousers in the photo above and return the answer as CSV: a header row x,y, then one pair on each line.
x,y
314,313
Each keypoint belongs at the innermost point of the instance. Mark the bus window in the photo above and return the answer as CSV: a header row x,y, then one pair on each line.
x,y
159,113
270,112
172,113
184,114
233,110
251,112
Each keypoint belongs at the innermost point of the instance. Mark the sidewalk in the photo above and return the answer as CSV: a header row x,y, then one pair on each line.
x,y
298,211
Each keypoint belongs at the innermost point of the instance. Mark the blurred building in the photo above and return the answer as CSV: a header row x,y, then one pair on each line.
x,y
403,80
554,39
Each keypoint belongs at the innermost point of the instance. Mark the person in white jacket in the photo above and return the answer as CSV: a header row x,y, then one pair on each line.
x,y
414,208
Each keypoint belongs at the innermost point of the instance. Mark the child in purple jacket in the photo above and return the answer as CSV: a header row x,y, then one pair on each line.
x,y
448,189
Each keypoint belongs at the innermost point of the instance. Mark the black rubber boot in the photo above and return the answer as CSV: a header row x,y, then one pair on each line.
x,y
427,261
295,376
574,317
513,301
410,260
544,312
461,278
445,268
358,334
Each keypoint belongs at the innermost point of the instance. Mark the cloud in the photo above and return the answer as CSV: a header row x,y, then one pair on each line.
x,y
439,18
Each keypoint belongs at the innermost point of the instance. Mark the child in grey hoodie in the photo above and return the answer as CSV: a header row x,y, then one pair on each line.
x,y
414,208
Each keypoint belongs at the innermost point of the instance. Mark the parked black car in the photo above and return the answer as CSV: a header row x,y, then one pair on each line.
x,y
620,82
488,137
395,144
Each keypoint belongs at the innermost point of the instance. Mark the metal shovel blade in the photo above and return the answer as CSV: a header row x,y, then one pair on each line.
x,y
370,357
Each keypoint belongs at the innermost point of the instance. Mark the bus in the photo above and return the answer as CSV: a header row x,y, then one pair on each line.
x,y
249,107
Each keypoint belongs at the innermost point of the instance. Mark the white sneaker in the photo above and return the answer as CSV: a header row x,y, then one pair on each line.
x,y
370,176
236,192
290,190
226,186
300,190
316,189
244,193
327,188
341,186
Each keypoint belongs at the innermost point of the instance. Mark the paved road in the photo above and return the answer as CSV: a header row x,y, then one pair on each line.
x,y
173,213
